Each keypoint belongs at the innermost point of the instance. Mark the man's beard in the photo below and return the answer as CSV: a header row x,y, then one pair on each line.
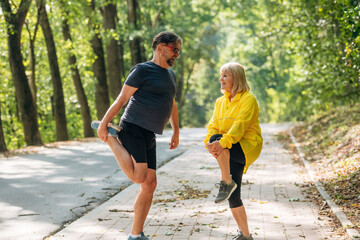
x,y
171,62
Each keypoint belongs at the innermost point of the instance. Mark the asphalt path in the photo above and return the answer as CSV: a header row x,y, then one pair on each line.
x,y
41,193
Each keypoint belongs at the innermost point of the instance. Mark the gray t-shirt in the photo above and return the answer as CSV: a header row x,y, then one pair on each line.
x,y
151,105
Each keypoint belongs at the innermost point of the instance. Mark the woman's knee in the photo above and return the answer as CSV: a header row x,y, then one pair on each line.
x,y
235,198
215,137
234,203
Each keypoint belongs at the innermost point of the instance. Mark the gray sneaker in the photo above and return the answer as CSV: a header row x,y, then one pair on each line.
x,y
113,129
142,237
240,236
225,191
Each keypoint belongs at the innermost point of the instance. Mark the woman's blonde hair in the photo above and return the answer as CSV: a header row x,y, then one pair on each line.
x,y
238,73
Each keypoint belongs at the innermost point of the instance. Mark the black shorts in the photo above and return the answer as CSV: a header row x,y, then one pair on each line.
x,y
139,142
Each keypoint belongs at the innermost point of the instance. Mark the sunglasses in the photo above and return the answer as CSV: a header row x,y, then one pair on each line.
x,y
175,50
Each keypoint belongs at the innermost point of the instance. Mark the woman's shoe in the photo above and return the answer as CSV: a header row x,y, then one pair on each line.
x,y
240,236
142,237
225,191
113,129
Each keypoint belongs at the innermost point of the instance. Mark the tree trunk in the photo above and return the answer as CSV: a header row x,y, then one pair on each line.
x,y
137,53
59,104
102,93
32,82
121,55
80,92
180,86
179,92
3,147
24,98
112,51
32,79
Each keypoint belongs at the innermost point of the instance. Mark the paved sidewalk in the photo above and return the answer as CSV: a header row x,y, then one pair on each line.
x,y
184,205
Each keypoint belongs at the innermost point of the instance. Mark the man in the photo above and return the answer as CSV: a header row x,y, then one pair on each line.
x,y
150,87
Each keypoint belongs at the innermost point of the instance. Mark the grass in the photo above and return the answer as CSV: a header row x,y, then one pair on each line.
x,y
331,141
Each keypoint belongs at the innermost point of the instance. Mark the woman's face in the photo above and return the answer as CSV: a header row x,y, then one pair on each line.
x,y
226,81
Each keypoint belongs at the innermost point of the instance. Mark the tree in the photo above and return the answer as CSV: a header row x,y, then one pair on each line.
x,y
80,92
58,95
136,48
32,38
22,90
115,67
325,39
102,94
2,139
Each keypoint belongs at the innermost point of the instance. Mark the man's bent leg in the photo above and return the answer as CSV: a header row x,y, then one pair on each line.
x,y
136,172
143,201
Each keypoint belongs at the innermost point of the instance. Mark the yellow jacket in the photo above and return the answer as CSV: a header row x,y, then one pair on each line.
x,y
238,121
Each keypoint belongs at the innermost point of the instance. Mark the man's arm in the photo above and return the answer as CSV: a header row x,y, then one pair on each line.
x,y
124,96
174,121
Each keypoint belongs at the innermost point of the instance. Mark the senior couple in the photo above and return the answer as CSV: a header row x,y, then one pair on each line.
x,y
233,135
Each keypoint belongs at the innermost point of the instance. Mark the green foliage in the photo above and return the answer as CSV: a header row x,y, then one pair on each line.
x,y
301,57
324,32
10,117
332,141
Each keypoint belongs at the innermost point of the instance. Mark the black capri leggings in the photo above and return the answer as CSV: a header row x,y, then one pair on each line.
x,y
237,164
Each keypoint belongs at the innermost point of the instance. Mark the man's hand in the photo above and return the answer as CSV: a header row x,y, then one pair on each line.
x,y
102,132
174,121
174,141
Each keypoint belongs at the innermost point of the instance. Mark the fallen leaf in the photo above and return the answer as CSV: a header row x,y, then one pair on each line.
x,y
294,199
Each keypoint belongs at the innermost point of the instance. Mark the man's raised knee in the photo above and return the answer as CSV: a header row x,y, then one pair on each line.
x,y
139,179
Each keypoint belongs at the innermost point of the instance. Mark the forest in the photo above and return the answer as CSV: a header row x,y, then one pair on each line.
x,y
62,63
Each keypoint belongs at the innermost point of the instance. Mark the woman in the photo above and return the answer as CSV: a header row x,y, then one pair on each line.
x,y
234,139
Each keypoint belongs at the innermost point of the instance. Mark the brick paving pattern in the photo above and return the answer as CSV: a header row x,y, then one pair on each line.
x,y
184,205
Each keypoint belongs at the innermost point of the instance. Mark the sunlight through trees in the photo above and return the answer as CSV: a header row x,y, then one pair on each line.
x,y
301,57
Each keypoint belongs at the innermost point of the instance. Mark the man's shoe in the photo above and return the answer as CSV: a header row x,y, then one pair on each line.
x,y
225,191
240,236
113,129
142,237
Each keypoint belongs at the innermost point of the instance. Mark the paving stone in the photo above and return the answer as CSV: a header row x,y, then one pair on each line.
x,y
184,205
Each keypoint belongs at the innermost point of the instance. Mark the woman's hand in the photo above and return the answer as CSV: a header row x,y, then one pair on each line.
x,y
215,148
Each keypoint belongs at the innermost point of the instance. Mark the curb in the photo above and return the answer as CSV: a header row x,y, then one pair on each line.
x,y
345,222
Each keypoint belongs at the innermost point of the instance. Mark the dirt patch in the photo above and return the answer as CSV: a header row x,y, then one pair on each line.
x,y
331,142
183,192
310,191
